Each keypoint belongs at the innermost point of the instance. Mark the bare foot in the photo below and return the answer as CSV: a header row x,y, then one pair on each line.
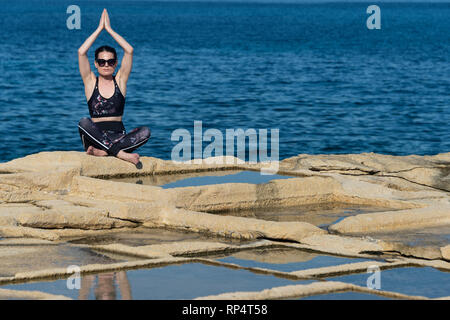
x,y
130,157
90,150
96,152
100,153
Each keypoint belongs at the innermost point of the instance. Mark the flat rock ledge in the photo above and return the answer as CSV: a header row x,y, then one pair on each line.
x,y
54,196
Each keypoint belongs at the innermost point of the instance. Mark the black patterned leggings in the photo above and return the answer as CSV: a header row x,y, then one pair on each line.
x,y
111,136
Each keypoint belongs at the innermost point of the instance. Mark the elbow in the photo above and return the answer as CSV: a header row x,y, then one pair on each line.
x,y
81,52
130,50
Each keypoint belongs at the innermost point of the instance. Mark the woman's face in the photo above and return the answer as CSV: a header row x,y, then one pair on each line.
x,y
106,69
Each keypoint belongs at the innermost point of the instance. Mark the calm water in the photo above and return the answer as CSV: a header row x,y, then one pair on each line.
x,y
415,281
312,70
186,281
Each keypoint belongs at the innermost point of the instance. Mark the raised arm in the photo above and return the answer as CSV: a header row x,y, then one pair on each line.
x,y
127,60
83,61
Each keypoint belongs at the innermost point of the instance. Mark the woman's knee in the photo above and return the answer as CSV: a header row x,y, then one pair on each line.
x,y
145,132
84,122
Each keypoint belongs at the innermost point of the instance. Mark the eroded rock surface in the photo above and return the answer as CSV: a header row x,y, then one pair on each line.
x,y
57,196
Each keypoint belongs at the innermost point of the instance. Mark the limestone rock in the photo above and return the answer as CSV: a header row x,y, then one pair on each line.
x,y
432,171
25,232
445,251
394,220
86,218
410,187
342,245
234,227
32,295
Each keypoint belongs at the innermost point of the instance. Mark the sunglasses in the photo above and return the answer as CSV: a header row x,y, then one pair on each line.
x,y
102,62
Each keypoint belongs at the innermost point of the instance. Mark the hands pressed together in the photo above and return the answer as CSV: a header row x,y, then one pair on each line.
x,y
104,22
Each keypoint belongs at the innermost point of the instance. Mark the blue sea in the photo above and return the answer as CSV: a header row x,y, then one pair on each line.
x,y
313,70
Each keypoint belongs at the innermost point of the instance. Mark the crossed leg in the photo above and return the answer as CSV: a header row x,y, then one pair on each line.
x,y
130,157
98,144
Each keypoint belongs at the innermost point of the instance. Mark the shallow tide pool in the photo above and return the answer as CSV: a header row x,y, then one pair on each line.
x,y
415,281
285,260
203,178
321,215
185,281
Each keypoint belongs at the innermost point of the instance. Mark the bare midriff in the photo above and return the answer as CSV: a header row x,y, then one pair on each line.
x,y
107,119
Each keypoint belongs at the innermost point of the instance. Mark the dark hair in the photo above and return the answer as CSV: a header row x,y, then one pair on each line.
x,y
107,49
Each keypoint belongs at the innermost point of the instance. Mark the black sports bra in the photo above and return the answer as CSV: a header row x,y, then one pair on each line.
x,y
100,107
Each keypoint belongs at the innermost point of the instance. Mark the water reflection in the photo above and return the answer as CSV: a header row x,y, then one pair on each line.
x,y
105,286
192,179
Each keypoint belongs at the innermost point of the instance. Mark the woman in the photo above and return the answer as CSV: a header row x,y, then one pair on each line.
x,y
104,134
